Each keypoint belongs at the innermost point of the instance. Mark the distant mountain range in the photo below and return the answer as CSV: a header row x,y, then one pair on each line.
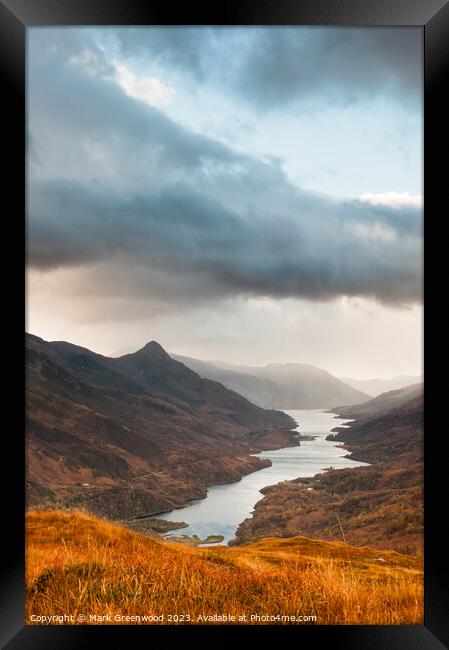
x,y
375,387
279,385
135,435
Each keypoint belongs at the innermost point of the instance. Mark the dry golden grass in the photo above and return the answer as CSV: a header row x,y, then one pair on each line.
x,y
79,565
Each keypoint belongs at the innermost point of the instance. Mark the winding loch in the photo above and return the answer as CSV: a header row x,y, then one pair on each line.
x,y
226,506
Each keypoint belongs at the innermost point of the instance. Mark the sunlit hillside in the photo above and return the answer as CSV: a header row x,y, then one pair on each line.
x,y
98,572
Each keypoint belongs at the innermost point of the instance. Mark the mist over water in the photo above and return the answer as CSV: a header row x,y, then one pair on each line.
x,y
226,506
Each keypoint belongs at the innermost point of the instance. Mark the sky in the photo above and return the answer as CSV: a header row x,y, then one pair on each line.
x,y
249,195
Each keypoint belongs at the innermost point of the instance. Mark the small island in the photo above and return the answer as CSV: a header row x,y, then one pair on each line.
x,y
153,527
305,437
194,540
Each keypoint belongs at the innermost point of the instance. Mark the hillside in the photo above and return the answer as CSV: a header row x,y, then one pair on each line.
x,y
279,385
380,505
134,435
375,387
101,573
384,402
259,390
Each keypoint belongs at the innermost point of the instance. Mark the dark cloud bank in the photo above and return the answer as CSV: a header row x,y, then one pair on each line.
x,y
272,66
224,220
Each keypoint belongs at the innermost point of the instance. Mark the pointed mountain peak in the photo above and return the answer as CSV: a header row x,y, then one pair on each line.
x,y
154,351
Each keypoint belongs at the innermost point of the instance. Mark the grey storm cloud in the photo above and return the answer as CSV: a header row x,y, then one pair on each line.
x,y
319,255
194,208
271,66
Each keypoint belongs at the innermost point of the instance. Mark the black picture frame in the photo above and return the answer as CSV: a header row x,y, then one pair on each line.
x,y
433,17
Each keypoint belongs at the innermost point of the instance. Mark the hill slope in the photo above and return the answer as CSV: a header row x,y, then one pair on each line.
x,y
382,403
81,565
137,434
280,386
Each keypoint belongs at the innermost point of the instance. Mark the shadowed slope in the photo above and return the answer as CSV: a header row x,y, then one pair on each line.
x,y
135,435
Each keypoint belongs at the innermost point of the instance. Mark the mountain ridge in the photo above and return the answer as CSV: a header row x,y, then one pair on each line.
x,y
279,386
135,435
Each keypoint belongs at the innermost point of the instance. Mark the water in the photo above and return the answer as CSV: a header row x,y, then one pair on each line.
x,y
226,506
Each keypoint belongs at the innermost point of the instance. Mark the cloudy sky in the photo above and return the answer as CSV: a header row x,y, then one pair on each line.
x,y
240,194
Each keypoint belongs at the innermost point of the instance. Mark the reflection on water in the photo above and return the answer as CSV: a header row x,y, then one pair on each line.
x,y
226,506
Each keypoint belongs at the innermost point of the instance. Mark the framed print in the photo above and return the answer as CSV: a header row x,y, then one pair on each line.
x,y
232,262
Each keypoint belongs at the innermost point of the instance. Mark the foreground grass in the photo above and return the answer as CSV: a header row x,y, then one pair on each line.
x,y
83,566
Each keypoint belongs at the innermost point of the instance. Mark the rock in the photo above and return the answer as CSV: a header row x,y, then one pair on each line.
x,y
213,539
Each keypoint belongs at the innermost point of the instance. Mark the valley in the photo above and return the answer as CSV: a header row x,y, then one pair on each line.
x,y
380,504
224,323
226,506
138,438
139,461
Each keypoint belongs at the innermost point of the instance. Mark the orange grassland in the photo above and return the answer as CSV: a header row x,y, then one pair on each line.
x,y
78,564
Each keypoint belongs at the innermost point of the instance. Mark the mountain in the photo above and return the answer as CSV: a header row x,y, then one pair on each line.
x,y
384,402
380,504
130,436
259,390
375,387
279,386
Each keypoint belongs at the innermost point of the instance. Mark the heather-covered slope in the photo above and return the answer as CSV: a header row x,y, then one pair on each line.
x,y
134,435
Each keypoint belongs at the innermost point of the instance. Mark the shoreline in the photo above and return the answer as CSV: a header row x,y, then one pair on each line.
x,y
379,503
299,436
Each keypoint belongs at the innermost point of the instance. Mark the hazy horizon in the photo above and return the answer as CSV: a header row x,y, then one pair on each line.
x,y
132,349
263,208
